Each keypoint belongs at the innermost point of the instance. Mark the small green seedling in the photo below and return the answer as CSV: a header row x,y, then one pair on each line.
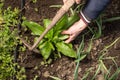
x,y
81,54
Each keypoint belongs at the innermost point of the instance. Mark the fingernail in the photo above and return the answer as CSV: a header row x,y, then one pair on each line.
x,y
62,32
67,41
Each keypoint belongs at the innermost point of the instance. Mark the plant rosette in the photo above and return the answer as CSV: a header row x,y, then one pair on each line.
x,y
53,40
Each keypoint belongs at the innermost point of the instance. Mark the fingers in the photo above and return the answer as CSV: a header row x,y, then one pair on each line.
x,y
64,1
75,30
78,1
66,32
69,39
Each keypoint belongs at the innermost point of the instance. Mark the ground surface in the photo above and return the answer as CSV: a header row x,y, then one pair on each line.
x,y
64,67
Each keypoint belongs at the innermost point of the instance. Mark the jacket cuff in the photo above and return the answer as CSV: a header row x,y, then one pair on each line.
x,y
84,18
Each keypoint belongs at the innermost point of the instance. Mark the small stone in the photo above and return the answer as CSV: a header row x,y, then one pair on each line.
x,y
58,68
97,43
52,65
39,73
79,70
46,74
100,77
95,48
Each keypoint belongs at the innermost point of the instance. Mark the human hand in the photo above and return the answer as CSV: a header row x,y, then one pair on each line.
x,y
77,1
75,30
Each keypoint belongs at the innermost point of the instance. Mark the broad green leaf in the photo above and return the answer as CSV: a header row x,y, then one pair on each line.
x,y
66,49
49,35
71,20
63,37
56,35
55,39
46,49
58,26
41,42
61,23
34,27
46,22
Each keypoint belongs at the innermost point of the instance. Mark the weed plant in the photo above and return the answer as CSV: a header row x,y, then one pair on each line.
x,y
54,40
8,42
106,73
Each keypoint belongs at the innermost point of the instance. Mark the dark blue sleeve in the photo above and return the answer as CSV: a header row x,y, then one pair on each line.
x,y
93,8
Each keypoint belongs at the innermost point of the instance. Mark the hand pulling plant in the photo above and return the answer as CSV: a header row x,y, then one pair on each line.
x,y
53,40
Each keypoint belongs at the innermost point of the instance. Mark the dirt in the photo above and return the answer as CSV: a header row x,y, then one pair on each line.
x,y
64,67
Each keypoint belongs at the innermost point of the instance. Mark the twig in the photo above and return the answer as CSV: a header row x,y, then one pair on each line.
x,y
29,46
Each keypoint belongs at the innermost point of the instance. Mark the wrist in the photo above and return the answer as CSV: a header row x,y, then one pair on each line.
x,y
82,25
84,18
83,22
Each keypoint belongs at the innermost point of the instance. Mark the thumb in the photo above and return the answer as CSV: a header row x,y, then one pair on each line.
x,y
65,32
68,40
71,38
64,1
78,1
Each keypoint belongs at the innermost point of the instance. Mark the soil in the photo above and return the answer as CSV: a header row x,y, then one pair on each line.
x,y
64,67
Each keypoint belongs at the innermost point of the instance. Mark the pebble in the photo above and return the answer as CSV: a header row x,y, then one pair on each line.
x,y
46,74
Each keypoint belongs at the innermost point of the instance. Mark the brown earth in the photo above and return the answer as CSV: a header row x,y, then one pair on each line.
x,y
64,67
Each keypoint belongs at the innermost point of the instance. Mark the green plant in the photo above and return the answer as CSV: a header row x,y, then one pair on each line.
x,y
105,72
20,74
10,17
114,76
112,19
8,42
97,32
99,22
53,41
87,73
103,68
81,54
